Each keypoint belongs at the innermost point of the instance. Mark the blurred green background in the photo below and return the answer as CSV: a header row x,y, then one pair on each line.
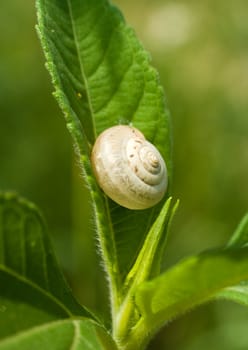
x,y
200,49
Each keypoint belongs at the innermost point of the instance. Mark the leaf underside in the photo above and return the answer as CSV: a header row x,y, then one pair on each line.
x,y
189,283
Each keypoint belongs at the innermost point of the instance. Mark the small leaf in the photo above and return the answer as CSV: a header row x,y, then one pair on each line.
x,y
62,335
148,256
238,293
240,236
31,282
143,269
158,257
186,285
103,77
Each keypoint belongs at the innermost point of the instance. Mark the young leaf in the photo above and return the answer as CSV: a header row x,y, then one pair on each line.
x,y
61,335
102,77
143,269
145,261
31,282
240,236
238,293
186,285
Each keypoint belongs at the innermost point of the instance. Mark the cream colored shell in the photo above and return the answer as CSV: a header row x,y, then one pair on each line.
x,y
129,169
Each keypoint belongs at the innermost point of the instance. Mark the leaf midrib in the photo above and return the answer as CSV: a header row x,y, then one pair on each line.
x,y
82,68
110,224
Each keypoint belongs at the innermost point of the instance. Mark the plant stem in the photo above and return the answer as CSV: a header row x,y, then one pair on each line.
x,y
138,337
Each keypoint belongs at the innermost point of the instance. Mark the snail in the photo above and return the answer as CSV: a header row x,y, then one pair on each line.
x,y
128,168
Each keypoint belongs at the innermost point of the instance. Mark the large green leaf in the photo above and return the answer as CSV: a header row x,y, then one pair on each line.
x,y
77,334
186,285
32,287
102,77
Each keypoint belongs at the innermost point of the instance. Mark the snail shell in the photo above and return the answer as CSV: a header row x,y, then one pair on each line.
x,y
129,169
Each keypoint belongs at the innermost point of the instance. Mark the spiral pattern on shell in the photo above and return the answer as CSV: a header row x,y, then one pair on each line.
x,y
128,168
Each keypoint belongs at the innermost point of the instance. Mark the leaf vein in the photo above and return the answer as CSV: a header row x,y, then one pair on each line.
x,y
76,335
108,101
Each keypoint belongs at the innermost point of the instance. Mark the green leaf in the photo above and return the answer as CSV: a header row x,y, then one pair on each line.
x,y
31,282
144,267
240,236
61,335
238,293
147,257
103,77
186,285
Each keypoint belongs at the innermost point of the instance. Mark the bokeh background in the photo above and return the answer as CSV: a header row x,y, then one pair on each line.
x,y
200,49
